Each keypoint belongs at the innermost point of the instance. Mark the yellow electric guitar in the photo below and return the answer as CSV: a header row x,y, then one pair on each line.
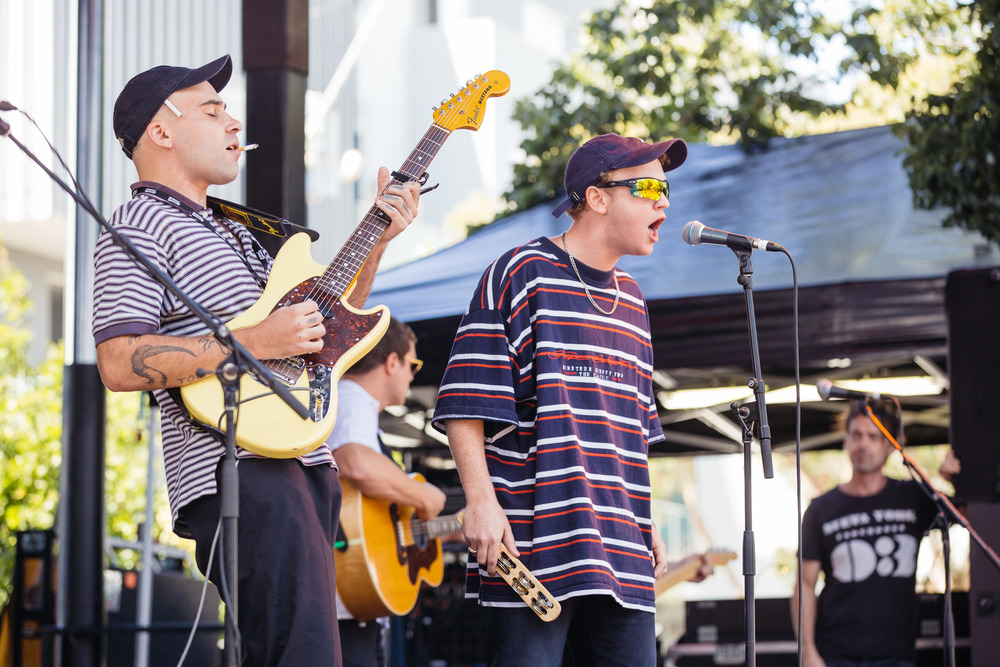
x,y
386,553
685,572
267,426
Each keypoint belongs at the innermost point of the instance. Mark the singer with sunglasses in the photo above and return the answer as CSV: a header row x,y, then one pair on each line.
x,y
547,401
864,536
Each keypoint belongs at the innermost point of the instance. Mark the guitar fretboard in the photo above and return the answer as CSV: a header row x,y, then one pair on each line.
x,y
439,527
347,264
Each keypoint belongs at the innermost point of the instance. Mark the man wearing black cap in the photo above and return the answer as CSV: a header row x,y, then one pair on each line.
x,y
174,126
548,405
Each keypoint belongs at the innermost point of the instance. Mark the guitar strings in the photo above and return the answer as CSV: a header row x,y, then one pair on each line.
x,y
425,527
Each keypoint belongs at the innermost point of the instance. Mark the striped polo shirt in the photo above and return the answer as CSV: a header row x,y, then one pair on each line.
x,y
565,394
205,262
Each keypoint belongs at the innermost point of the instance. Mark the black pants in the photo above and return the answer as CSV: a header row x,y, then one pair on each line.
x,y
361,643
287,526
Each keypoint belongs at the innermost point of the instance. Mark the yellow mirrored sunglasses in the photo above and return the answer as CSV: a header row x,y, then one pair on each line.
x,y
646,188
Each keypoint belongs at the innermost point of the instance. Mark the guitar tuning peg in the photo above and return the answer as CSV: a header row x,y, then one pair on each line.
x,y
469,82
434,108
443,102
477,76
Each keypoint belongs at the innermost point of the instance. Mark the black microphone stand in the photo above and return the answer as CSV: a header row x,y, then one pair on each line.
x,y
947,514
229,373
743,414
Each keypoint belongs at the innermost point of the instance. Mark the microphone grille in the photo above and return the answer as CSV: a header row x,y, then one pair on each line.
x,y
823,387
692,232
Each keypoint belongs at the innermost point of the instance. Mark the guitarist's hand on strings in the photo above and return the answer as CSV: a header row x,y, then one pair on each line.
x,y
287,332
432,500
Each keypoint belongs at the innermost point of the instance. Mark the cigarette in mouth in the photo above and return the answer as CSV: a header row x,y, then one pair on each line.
x,y
248,147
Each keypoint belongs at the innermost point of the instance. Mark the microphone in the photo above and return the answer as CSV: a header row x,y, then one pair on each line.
x,y
696,233
827,390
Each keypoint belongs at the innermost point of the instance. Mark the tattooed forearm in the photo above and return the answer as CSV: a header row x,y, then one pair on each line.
x,y
153,376
208,343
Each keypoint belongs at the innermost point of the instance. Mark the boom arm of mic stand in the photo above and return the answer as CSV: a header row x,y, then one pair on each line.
x,y
943,502
947,514
217,326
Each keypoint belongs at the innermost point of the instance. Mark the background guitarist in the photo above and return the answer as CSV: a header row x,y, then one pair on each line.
x,y
174,126
379,379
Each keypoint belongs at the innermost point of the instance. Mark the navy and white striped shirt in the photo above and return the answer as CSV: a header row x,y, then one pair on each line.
x,y
565,394
127,301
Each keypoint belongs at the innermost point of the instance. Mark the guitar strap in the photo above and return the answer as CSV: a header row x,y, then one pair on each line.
x,y
395,457
269,230
200,217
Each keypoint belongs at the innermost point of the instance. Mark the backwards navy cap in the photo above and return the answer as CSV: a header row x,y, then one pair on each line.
x,y
145,93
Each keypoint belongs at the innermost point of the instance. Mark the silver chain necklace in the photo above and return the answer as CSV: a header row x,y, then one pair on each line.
x,y
572,262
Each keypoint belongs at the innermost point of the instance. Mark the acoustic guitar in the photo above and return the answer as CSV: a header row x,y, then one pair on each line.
x,y
266,425
688,570
386,554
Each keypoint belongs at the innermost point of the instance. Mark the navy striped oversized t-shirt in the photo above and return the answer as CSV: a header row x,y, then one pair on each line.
x,y
565,394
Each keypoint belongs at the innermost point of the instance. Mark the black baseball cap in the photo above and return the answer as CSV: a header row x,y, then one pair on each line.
x,y
144,94
606,152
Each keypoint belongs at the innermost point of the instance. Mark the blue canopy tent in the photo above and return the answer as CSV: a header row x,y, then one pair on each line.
x,y
871,271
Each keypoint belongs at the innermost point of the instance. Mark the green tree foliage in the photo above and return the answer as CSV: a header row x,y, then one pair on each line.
x,y
31,431
954,139
30,451
703,70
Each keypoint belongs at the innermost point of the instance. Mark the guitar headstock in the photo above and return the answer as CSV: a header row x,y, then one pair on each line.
x,y
720,556
466,108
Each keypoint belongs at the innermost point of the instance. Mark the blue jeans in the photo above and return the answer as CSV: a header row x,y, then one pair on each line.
x,y
869,662
591,630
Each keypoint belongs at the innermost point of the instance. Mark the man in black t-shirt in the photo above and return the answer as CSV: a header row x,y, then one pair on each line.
x,y
864,535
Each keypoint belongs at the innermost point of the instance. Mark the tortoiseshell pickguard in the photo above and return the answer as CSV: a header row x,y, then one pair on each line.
x,y
344,328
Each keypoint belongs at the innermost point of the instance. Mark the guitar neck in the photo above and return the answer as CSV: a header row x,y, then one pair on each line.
x,y
345,267
441,526
675,576
690,569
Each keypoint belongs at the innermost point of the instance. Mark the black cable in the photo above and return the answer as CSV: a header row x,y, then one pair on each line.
x,y
798,450
89,205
